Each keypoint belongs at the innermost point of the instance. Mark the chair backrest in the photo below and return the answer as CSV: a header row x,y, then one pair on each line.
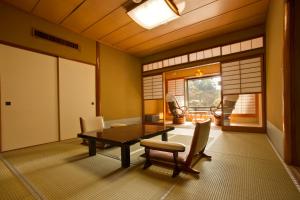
x,y
173,108
90,124
199,140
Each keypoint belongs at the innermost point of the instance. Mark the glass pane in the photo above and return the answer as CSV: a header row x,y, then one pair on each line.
x,y
204,92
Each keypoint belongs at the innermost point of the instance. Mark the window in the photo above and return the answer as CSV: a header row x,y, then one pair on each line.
x,y
204,93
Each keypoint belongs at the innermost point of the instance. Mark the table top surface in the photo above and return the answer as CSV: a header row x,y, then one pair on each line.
x,y
125,134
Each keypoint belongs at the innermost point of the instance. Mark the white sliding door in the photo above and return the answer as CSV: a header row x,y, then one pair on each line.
x,y
76,95
29,101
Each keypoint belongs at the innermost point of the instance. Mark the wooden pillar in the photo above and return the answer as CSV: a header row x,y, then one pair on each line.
x,y
291,75
98,83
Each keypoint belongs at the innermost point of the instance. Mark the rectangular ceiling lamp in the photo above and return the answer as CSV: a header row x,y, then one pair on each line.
x,y
153,13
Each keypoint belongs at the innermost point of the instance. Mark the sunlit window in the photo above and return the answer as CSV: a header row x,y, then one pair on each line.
x,y
204,92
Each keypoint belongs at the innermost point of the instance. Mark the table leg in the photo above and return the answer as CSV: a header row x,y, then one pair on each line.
x,y
92,147
125,155
164,136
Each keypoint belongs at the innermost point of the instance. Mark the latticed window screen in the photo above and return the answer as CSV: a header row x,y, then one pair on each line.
x,y
153,87
246,104
176,88
242,77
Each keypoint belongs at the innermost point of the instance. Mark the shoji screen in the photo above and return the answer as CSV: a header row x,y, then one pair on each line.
x,y
176,88
153,87
242,77
76,95
242,89
29,102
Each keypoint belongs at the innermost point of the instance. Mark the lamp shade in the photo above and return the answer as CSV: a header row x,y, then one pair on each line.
x,y
153,13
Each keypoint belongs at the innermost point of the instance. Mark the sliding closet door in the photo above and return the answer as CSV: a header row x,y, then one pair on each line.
x,y
29,103
76,95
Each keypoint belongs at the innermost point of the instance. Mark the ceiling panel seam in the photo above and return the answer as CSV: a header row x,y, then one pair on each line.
x,y
76,8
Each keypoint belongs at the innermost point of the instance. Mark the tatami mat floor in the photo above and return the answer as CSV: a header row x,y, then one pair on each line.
x,y
243,166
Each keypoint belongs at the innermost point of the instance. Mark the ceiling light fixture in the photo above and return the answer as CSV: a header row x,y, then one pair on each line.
x,y
153,13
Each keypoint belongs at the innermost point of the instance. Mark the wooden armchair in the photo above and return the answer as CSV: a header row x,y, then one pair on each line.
x,y
176,154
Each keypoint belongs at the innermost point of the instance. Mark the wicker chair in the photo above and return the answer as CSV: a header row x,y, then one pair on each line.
x,y
177,111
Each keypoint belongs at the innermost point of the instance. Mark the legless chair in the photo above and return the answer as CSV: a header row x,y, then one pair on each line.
x,y
176,154
90,124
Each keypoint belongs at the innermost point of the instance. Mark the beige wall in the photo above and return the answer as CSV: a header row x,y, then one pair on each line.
x,y
16,27
274,63
120,76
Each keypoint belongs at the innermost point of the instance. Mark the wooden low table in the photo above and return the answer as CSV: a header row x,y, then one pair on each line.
x,y
123,137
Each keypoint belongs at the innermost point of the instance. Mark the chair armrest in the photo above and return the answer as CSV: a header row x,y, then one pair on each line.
x,y
163,145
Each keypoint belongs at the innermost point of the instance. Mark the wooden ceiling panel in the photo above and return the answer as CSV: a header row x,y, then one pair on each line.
x,y
55,10
108,24
26,5
90,12
235,26
249,11
204,13
191,5
124,32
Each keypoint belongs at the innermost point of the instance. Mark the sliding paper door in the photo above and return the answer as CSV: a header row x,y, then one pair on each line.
x,y
76,95
29,103
243,94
